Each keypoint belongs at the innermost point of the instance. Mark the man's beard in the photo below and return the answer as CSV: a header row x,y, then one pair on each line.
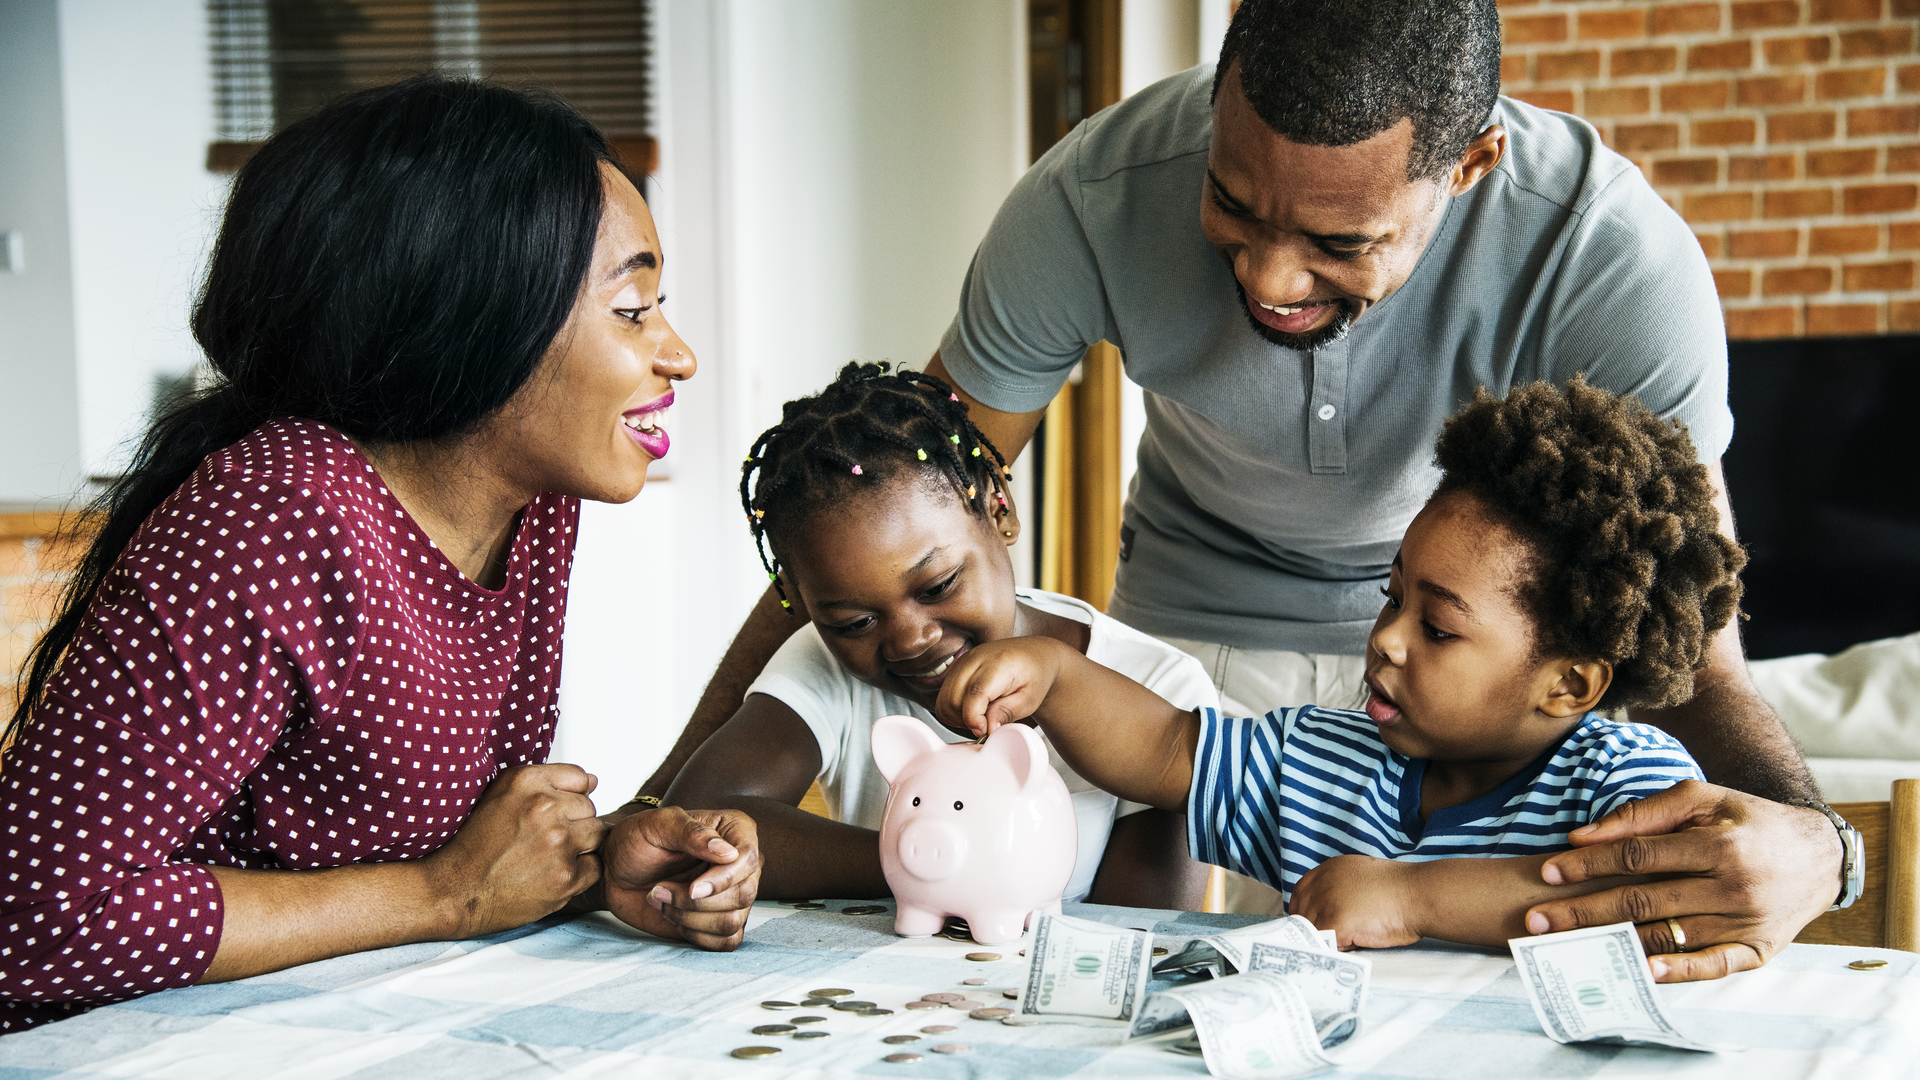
x,y
1312,339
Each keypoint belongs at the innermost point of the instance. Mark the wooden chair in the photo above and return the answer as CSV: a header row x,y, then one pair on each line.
x,y
1887,915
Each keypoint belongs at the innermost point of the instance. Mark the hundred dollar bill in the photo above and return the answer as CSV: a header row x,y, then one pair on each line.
x,y
1225,953
1333,985
1086,969
1292,931
1255,1025
1593,985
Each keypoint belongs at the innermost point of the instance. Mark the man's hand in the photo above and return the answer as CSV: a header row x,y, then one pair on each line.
x,y
683,874
1368,903
999,683
1752,874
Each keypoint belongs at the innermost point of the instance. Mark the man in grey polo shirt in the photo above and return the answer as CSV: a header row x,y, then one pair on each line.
x,y
1308,264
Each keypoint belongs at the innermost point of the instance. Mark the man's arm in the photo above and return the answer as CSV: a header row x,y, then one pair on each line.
x,y
1753,873
1727,728
769,626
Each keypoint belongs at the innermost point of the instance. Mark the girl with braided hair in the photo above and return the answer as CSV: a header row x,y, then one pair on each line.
x,y
882,515
1570,561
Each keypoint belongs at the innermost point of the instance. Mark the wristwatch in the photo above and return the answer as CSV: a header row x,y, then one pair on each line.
x,y
1853,856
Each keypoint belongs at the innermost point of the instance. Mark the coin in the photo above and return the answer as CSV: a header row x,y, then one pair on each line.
x,y
1872,964
1010,994
778,1005
966,1006
807,1020
961,935
973,982
1018,1021
992,1012
943,997
797,903
953,1048
774,1029
918,1005
937,1029
808,905
983,957
900,1040
752,1052
874,1012
901,1059
864,909
830,992
1159,951
811,1034
851,1006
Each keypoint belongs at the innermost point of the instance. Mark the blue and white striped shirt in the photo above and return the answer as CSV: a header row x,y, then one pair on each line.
x,y
1276,796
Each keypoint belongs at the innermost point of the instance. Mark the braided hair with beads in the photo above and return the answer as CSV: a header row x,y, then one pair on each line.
x,y
872,425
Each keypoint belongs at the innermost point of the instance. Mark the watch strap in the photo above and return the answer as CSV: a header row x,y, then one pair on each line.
x,y
1853,858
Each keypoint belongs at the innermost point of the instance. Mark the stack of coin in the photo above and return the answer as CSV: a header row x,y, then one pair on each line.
x,y
864,909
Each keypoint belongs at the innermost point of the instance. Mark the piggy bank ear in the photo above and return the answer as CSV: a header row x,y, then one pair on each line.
x,y
897,740
1021,746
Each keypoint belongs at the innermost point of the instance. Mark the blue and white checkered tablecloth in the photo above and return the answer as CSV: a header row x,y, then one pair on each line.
x,y
589,997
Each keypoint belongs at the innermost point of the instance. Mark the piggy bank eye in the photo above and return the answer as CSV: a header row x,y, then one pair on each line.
x,y
956,804
916,800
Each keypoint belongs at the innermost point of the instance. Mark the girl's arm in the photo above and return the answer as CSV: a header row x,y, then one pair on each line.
x,y
1113,731
1380,903
761,762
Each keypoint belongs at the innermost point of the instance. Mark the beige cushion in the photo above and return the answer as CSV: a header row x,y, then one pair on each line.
x,y
1862,703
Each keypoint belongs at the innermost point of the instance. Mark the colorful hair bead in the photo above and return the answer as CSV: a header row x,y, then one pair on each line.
x,y
921,454
955,439
976,451
787,605
969,491
856,471
952,396
759,514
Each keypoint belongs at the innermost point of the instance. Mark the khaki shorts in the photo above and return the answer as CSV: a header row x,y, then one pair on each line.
x,y
1254,681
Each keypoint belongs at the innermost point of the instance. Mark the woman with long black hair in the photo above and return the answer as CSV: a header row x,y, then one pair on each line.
x,y
296,699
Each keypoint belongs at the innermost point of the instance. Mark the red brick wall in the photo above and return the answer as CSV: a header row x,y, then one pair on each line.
x,y
1786,132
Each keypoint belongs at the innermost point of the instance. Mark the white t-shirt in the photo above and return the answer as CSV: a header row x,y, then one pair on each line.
x,y
840,710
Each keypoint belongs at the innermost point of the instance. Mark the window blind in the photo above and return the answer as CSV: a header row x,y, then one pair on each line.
x,y
277,61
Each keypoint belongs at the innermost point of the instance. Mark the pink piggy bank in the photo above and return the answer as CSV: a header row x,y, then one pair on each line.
x,y
985,831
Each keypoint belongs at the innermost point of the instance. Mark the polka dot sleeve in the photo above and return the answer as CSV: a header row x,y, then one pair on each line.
x,y
281,672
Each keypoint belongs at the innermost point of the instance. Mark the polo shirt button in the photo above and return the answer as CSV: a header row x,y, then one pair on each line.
x,y
1326,412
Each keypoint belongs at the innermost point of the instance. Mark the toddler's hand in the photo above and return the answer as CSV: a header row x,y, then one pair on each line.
x,y
1367,902
998,683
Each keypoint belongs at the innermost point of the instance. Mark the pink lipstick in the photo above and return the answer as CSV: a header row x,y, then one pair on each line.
x,y
647,426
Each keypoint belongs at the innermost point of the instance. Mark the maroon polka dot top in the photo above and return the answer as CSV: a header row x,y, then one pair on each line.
x,y
281,671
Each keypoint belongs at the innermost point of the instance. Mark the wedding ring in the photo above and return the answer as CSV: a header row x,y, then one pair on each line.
x,y
1679,936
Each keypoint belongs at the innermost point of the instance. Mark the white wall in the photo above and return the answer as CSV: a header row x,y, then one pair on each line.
x,y
39,399
138,101
827,170
104,130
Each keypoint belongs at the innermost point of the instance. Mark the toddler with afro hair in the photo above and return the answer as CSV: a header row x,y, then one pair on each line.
x,y
1569,563
1629,564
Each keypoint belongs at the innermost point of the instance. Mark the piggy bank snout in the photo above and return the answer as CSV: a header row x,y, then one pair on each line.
x,y
932,850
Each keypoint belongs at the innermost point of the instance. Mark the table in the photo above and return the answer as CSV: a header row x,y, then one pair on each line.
x,y
589,997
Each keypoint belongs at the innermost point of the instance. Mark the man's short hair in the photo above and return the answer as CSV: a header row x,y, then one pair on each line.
x,y
1338,72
